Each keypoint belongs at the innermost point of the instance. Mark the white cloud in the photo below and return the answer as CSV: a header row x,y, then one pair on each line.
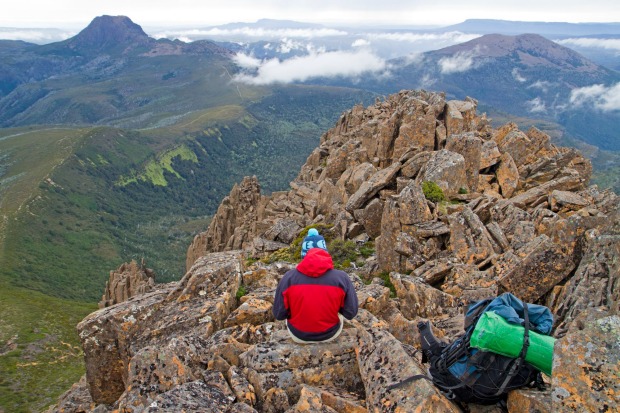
x,y
605,98
610,44
543,85
287,45
517,76
413,59
39,36
460,62
536,105
360,43
444,37
427,81
258,33
299,69
246,62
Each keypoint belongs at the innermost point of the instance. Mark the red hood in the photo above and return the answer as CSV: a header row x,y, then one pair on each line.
x,y
316,263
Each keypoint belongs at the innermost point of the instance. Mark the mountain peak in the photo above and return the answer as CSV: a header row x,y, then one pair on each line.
x,y
530,49
109,32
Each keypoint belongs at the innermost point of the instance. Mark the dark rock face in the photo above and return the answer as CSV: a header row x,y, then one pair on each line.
x,y
524,222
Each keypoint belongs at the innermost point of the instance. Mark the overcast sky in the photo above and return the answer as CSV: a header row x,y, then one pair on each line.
x,y
78,13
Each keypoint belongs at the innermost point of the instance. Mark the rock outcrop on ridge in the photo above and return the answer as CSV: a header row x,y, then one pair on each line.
x,y
130,279
519,217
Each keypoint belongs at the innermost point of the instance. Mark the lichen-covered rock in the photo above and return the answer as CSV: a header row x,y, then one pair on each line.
x,y
418,299
566,201
284,364
586,365
470,147
198,304
194,396
322,399
243,390
232,226
253,311
383,362
370,187
413,206
153,371
507,175
596,282
529,401
387,257
470,240
534,269
276,401
447,169
106,340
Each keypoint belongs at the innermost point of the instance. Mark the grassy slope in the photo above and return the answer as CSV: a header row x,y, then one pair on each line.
x,y
41,355
39,347
27,157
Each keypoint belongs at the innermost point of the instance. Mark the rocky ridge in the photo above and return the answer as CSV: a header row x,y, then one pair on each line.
x,y
519,217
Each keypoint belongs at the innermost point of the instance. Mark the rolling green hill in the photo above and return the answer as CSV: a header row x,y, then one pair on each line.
x,y
110,195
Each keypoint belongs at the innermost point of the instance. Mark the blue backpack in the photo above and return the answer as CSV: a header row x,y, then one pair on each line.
x,y
466,374
470,375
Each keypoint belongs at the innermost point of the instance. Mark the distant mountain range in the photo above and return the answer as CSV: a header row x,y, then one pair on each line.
x,y
559,29
525,75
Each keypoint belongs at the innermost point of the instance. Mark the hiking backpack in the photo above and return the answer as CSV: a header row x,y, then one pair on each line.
x,y
470,375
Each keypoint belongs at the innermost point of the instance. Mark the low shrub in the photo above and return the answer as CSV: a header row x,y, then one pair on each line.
x,y
433,192
241,291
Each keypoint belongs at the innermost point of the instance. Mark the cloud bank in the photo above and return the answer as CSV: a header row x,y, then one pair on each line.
x,y
39,36
605,98
444,37
609,44
460,62
257,33
299,69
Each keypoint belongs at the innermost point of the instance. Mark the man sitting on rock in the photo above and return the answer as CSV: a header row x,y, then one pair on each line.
x,y
314,299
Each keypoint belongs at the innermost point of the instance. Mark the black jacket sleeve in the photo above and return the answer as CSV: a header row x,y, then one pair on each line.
x,y
280,312
349,310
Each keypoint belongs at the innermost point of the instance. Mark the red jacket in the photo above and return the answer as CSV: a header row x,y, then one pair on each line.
x,y
311,296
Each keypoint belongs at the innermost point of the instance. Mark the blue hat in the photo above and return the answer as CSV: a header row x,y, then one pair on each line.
x,y
312,231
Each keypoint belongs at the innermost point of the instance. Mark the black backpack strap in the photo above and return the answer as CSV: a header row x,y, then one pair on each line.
x,y
521,358
451,354
409,380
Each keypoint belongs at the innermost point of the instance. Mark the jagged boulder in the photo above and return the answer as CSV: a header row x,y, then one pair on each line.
x,y
233,226
447,169
129,280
